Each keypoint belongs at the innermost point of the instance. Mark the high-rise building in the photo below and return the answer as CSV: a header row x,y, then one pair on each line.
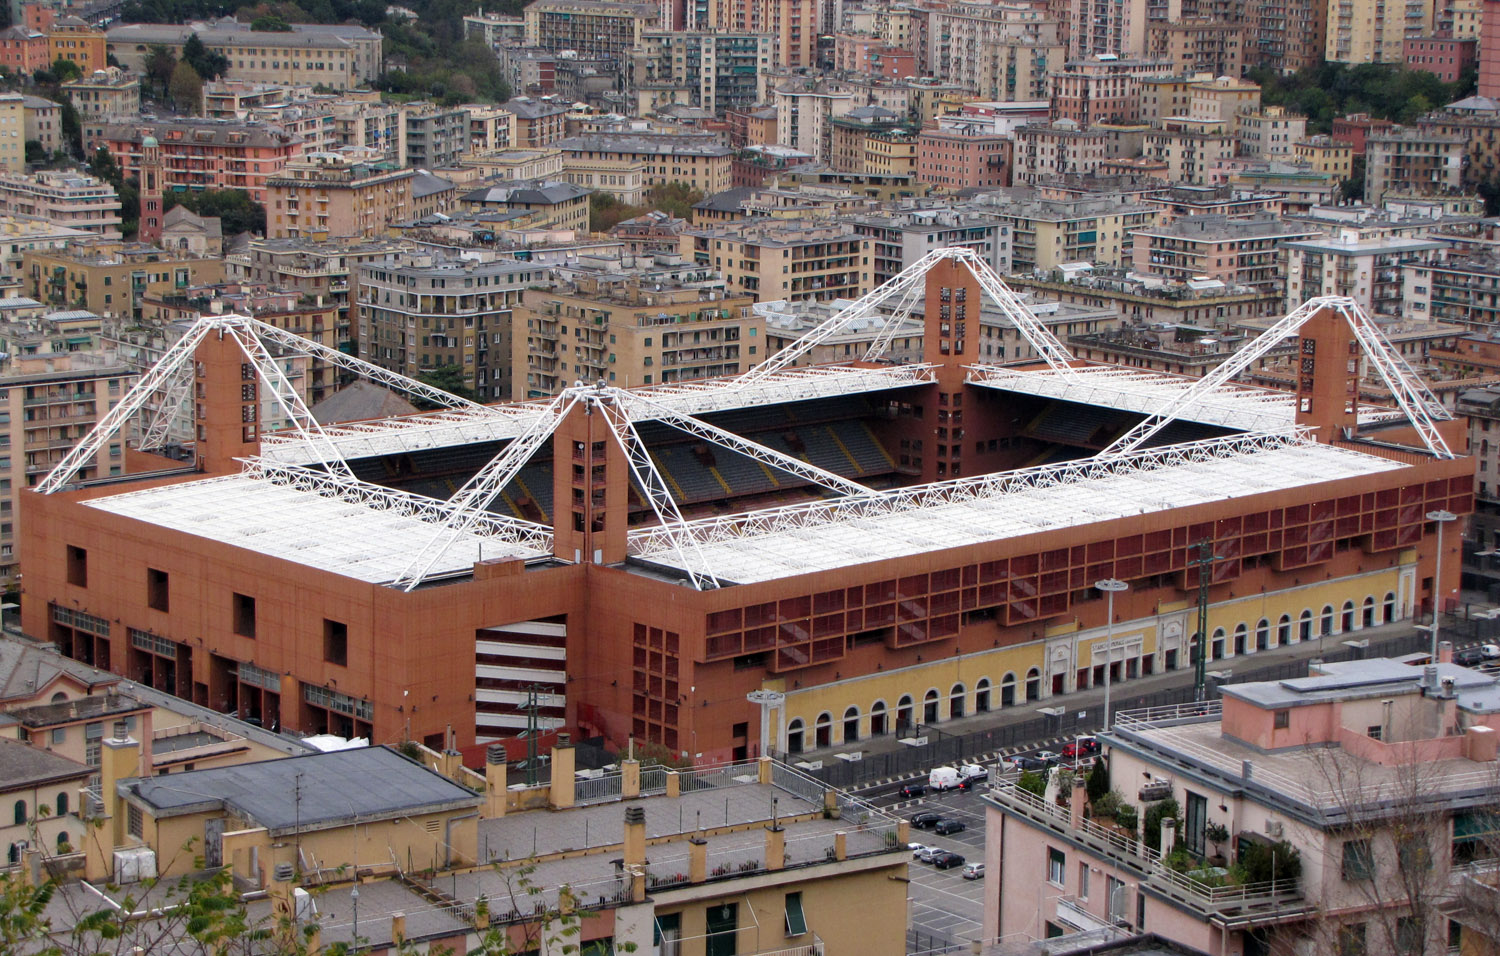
x,y
794,24
325,195
711,71
1489,50
1373,31
591,29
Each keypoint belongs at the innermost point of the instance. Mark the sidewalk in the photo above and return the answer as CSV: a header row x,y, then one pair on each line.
x,y
1122,693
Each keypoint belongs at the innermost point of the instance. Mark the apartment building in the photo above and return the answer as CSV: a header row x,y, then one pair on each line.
x,y
805,110
1223,99
1271,133
696,160
1412,162
539,123
630,334
378,126
1061,148
1198,45
1344,809
541,203
414,318
1001,53
23,49
1445,57
709,71
1193,150
776,259
1204,303
64,198
491,128
1286,35
794,23
1237,252
325,195
902,236
1458,289
1374,31
206,154
1045,233
21,234
955,159
1367,270
849,134
1325,155
1107,27
104,93
592,29
1102,89
12,133
334,55
870,56
110,278
1476,121
496,29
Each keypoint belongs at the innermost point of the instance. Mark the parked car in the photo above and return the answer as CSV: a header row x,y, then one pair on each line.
x,y
971,771
1468,657
948,825
1082,747
930,854
943,778
1049,757
1030,762
973,871
917,849
926,820
947,861
913,790
1491,652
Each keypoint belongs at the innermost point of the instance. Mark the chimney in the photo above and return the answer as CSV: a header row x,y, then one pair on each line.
x,y
775,847
398,929
1168,836
119,759
1076,801
697,859
1445,652
1480,744
840,845
563,773
494,781
283,908
635,836
1429,678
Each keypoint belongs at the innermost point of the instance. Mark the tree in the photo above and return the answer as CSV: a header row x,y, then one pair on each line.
x,y
186,88
450,378
35,152
160,64
65,69
270,24
209,64
234,207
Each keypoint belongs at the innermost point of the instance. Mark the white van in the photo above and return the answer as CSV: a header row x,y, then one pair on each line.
x,y
943,778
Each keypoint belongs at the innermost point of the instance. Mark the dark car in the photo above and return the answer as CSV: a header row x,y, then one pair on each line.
x,y
1468,657
948,825
926,820
1032,763
913,790
947,861
1082,747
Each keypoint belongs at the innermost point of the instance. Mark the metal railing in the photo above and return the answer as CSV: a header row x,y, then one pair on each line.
x,y
714,777
600,789
1209,898
653,781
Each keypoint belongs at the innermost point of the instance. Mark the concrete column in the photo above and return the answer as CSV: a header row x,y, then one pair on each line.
x,y
840,845
1168,835
764,770
1076,801
630,779
494,781
775,848
674,784
697,859
563,779
398,928
635,836
903,832
638,884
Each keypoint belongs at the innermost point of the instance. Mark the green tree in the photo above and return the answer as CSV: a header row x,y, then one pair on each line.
x,y
186,88
234,207
209,64
35,152
65,69
160,64
1098,781
450,378
1167,809
270,24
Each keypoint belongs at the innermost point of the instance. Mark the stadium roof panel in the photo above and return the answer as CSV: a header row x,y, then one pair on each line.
x,y
825,535
1241,407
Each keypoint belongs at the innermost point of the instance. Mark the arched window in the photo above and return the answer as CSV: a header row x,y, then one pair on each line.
x,y
1241,636
794,736
823,730
1305,625
930,707
1008,690
956,698
1262,635
1369,611
63,841
20,813
62,804
877,719
851,725
982,696
1033,684
1217,646
1390,607
903,713
15,854
59,697
1284,630
1347,617
1326,621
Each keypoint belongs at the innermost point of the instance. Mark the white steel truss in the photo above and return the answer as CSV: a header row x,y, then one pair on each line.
x,y
1411,394
470,504
174,396
654,488
904,290
132,402
640,408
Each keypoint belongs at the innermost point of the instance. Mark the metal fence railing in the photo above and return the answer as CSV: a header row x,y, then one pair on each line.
x,y
796,782
943,748
653,781
599,789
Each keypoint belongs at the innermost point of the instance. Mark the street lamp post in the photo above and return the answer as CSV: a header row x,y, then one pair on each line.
x,y
1109,586
1442,518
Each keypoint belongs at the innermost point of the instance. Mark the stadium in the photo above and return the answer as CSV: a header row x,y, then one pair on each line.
x,y
798,557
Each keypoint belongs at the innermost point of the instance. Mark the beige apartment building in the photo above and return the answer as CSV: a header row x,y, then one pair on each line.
x,y
1238,252
1271,133
332,55
1061,148
1373,31
695,160
795,24
13,133
323,195
107,92
777,259
1192,149
491,128
65,198
1410,161
629,335
1198,44
49,403
1045,233
111,278
1326,155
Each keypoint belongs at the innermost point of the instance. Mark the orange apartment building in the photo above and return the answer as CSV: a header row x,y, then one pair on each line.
x,y
204,154
72,39
956,159
300,604
325,195
23,49
1102,89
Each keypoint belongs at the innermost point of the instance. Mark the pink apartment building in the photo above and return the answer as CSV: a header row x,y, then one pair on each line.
x,y
1377,776
958,160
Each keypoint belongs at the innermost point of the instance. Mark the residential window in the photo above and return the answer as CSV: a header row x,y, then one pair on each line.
x,y
156,589
134,821
1359,860
1409,934
1352,939
1083,879
796,920
1057,863
1281,719
244,615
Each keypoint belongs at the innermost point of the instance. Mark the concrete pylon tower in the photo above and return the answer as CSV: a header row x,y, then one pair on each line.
x,y
1328,365
152,210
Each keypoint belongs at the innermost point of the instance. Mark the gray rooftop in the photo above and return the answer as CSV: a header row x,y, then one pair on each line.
x,y
1212,227
529,192
673,144
533,109
1381,677
23,766
309,791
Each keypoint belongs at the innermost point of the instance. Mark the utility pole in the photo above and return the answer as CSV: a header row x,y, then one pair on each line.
x,y
1205,565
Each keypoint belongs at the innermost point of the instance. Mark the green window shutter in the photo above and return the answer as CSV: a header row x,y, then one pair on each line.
x,y
796,921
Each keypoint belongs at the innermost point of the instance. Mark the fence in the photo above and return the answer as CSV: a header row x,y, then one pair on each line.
x,y
949,749
598,789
